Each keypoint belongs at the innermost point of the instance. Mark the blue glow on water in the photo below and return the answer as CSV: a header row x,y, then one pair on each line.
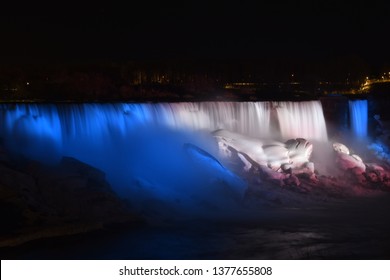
x,y
162,166
161,156
358,112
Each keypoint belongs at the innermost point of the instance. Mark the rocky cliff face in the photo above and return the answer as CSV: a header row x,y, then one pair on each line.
x,y
38,201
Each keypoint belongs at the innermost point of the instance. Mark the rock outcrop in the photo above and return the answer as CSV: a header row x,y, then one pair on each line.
x,y
274,161
38,201
289,165
365,173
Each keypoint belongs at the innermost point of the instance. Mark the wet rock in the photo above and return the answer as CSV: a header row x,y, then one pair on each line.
x,y
291,156
353,166
340,148
272,176
292,180
350,162
299,151
368,175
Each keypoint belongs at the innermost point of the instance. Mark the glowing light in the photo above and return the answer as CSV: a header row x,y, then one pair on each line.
x,y
358,115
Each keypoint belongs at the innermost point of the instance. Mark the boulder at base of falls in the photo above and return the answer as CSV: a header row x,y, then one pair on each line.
x,y
38,201
371,175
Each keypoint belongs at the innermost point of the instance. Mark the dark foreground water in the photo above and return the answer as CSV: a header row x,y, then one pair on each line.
x,y
358,229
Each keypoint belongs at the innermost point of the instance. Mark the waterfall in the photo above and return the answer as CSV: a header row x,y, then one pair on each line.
x,y
144,149
67,121
358,113
301,119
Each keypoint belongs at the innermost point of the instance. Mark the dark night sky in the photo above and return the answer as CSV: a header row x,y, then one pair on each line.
x,y
301,30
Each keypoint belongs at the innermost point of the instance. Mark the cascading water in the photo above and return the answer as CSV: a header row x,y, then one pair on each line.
x,y
358,112
301,119
140,146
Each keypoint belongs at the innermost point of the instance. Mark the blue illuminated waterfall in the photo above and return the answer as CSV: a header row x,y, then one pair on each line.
x,y
140,146
358,112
